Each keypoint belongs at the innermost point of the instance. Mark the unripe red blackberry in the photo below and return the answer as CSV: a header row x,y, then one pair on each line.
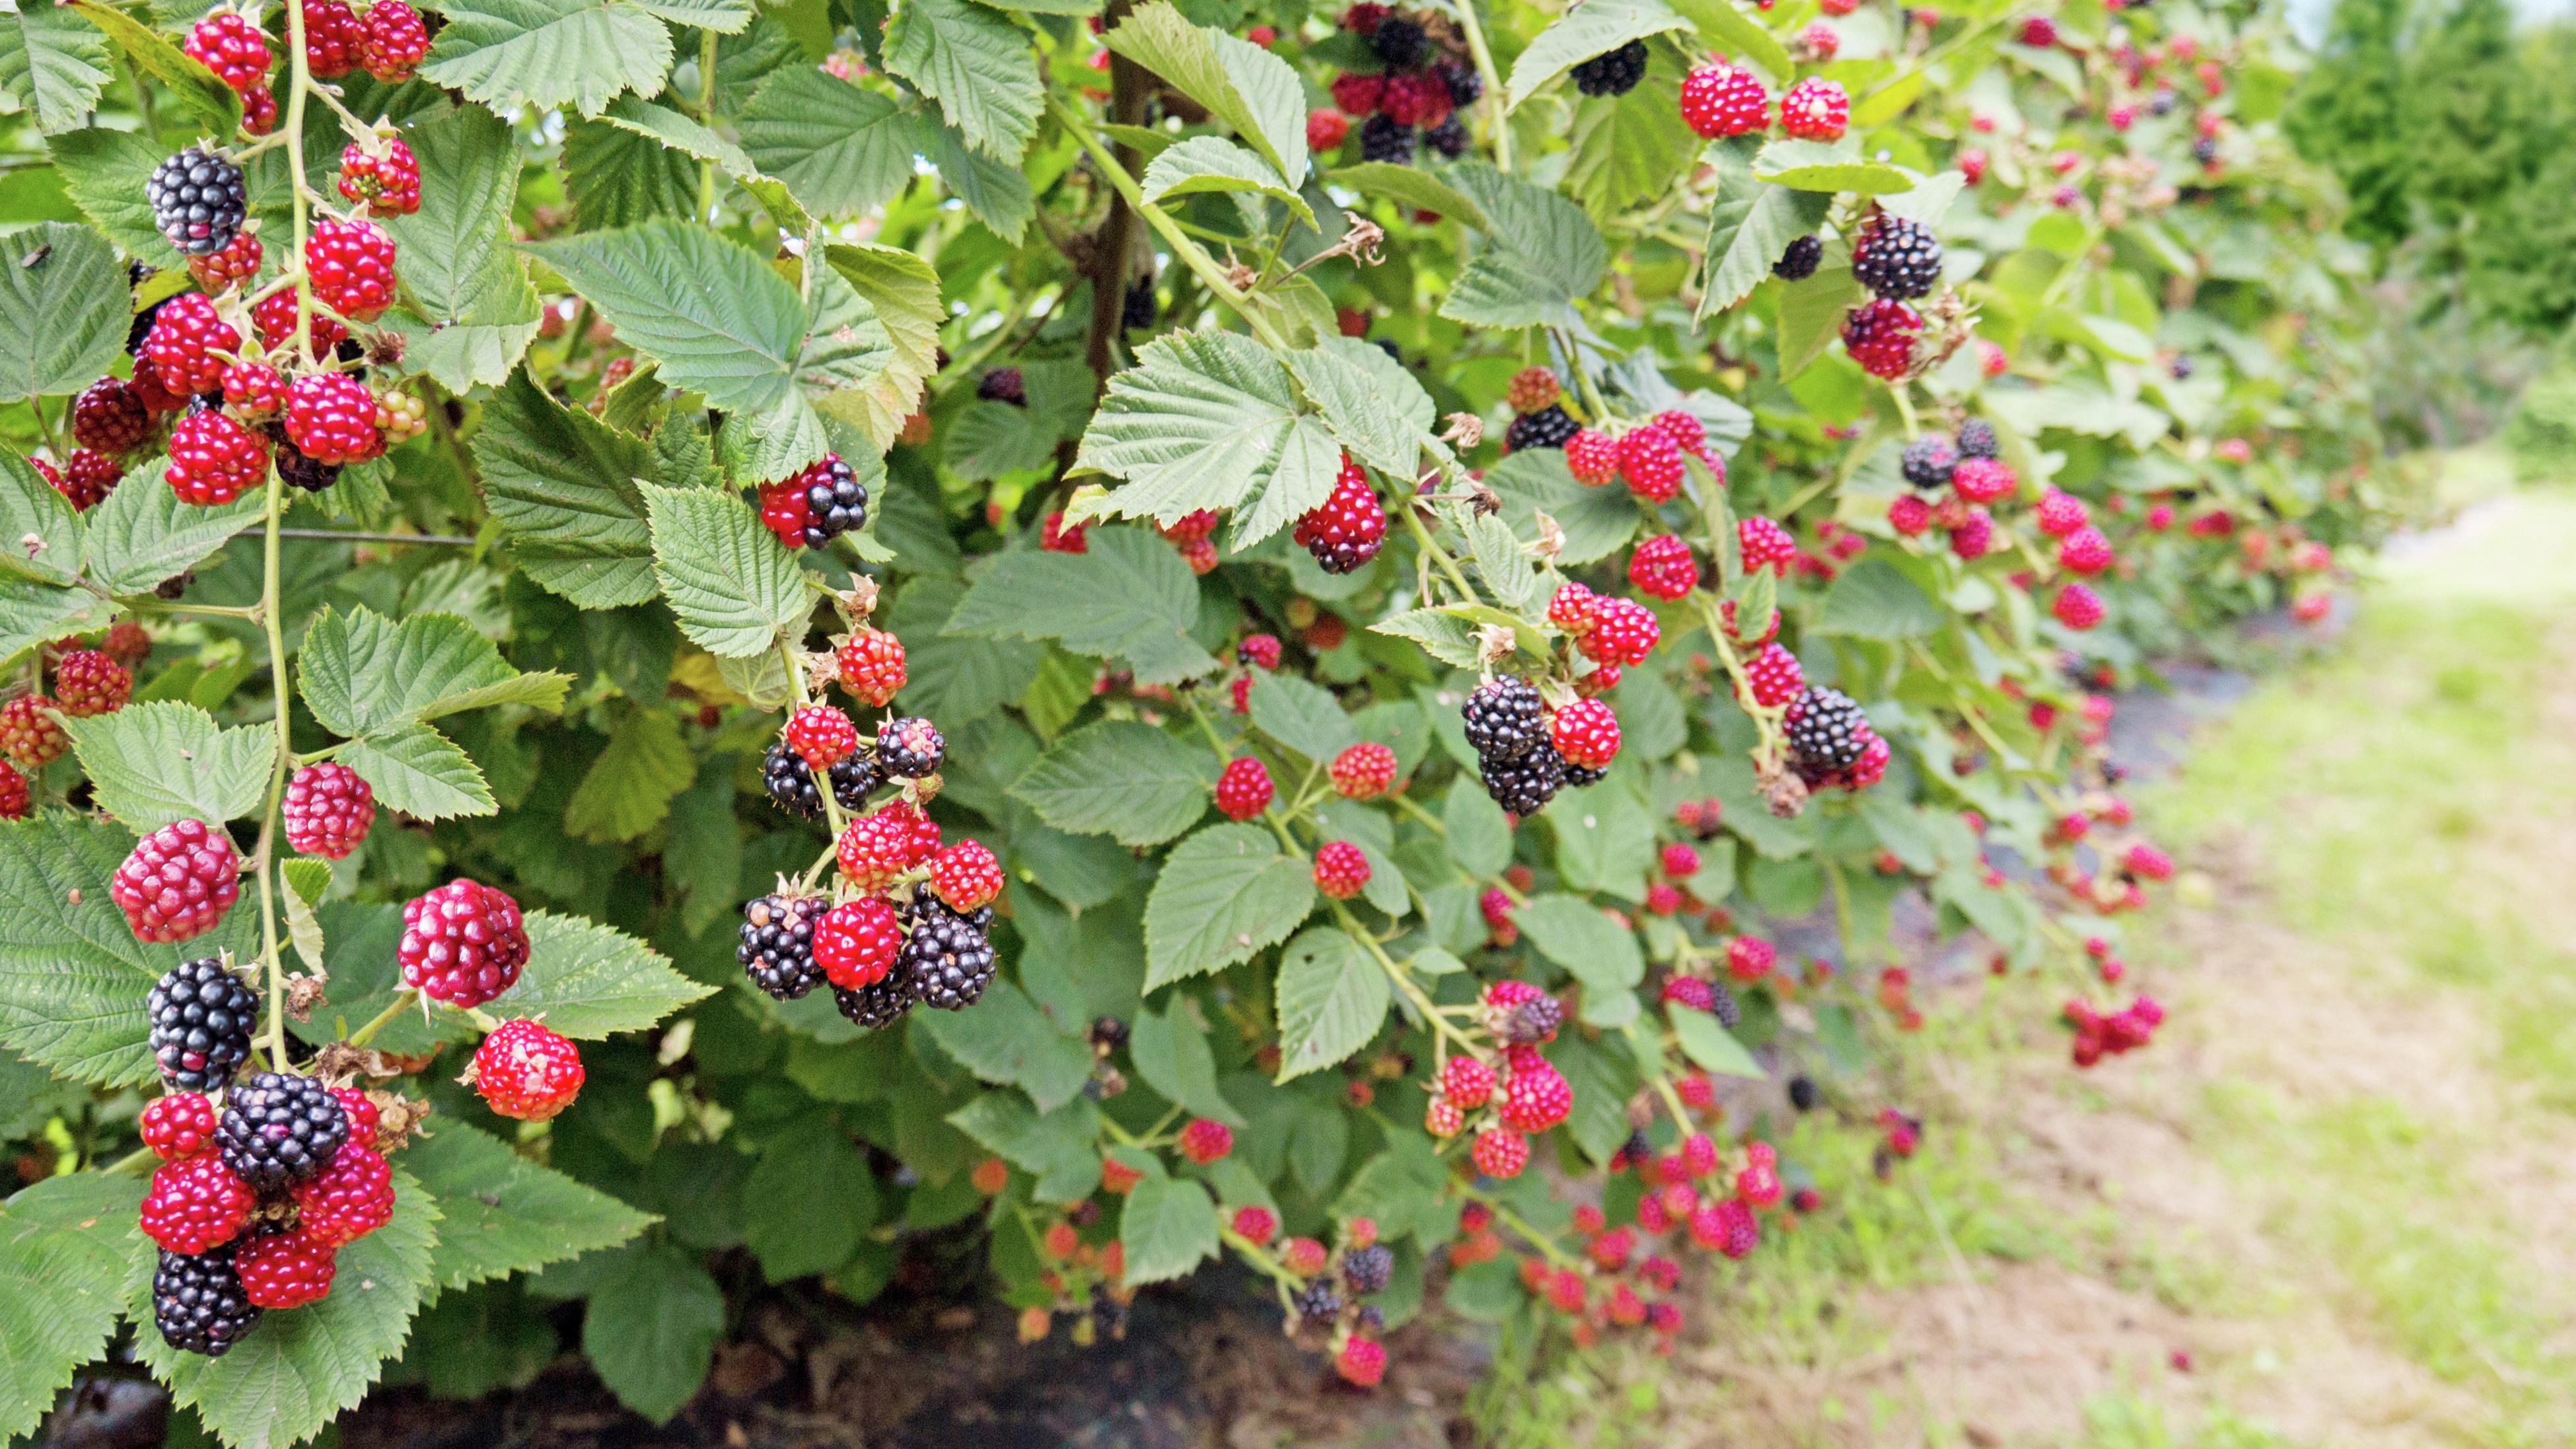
x,y
1054,537
1775,676
1502,718
1586,732
198,1303
884,843
196,1203
1205,1140
1244,789
274,318
1255,1224
462,943
1466,1082
351,1198
2077,607
1974,535
820,735
255,390
351,263
1764,544
1341,869
1662,567
382,176
393,40
1326,129
1499,1152
870,665
186,343
178,882
1442,1119
177,1124
965,875
363,1116
279,1129
1724,100
85,481
284,1270
1879,335
214,459
108,418
1909,515
2085,551
1363,771
231,46
1750,958
331,417
1816,109
855,942
1536,1098
29,735
910,748
527,1071
88,683
775,946
1592,457
946,960
2060,514
1357,93
332,38
1348,528
1651,463
1623,632
1532,388
328,809
1896,257
783,511
1983,480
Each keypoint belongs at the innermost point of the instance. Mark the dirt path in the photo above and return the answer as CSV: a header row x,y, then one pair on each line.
x,y
2331,1205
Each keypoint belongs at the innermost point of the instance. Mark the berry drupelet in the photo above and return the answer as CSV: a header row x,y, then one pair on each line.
x,y
202,1019
198,1303
1547,427
279,1129
776,948
946,958
198,201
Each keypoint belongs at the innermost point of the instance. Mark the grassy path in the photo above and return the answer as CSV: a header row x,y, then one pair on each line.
x,y
2335,1203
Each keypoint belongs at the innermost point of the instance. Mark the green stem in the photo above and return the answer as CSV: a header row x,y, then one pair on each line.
x,y
1484,57
1432,548
1442,1031
1503,1214
401,1003
706,113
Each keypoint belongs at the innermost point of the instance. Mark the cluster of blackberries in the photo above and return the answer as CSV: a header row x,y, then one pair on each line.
x,y
1517,762
1798,260
904,749
1831,742
817,505
1614,72
1896,258
1415,99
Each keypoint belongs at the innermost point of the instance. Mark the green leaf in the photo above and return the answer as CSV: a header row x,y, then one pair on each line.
x,y
904,291
1706,1042
1332,999
592,982
952,676
839,147
1167,1228
1243,85
66,1246
809,1197
470,311
1224,894
976,64
1120,778
717,317
651,1329
46,538
1444,637
1170,1050
364,675
1577,935
629,787
104,171
153,54
142,535
1373,405
72,976
1004,1039
1827,166
1605,840
1874,600
728,579
1594,522
1059,1147
1301,715
152,764
1203,164
998,193
1210,420
421,773
502,1214
562,486
63,310
1410,187
540,54
1480,835
300,1370
1728,28
1129,596
1542,254
1595,27
1633,148
1812,313
1403,1189
618,177
53,65
1749,225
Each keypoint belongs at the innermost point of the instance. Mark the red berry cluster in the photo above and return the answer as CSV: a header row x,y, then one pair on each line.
x,y
1416,77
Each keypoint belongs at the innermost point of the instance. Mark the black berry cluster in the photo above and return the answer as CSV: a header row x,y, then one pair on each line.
x,y
1612,73
836,500
1798,260
1549,427
1517,764
790,781
1423,77
946,958
279,1129
1928,461
198,1301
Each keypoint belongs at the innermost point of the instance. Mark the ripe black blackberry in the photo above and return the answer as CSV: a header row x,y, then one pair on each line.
x,y
1896,257
910,748
1399,42
1319,1302
1107,1312
1927,461
1465,86
1003,385
946,957
2179,369
1368,1270
1798,260
279,1129
855,776
198,201
1976,439
1639,1147
1549,427
1578,776
790,782
1502,718
835,501
1523,786
2205,150
1802,1093
879,1004
1138,310
1108,1033
1826,730
1449,138
1383,138
1613,74
777,944
136,274
202,1019
1534,1020
298,468
1723,1005
198,1302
